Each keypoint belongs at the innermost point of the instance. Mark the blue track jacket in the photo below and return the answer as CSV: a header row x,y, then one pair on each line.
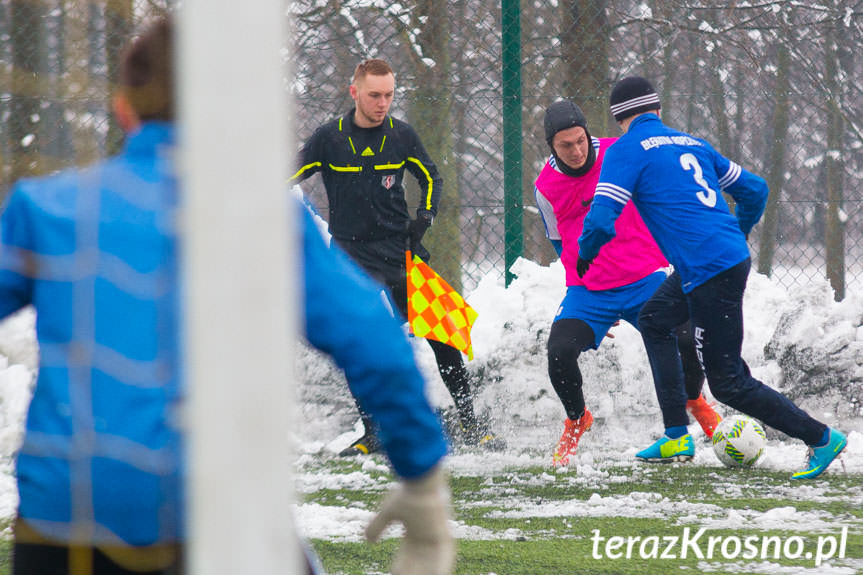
x,y
95,252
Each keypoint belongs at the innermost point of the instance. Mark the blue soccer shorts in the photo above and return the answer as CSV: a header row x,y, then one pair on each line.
x,y
601,309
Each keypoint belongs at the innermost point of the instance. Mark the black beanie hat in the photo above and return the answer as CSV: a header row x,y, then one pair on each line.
x,y
633,95
561,115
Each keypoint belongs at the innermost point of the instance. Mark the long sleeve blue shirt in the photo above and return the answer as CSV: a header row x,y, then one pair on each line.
x,y
676,182
94,252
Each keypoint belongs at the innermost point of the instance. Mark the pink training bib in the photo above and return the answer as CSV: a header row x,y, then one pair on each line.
x,y
630,256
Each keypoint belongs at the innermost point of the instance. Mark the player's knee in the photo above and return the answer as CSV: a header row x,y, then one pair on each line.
x,y
561,349
730,381
650,324
725,389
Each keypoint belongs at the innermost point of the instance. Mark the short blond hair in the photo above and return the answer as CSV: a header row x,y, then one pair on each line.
x,y
372,66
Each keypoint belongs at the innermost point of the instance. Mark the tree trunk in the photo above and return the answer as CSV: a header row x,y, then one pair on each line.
x,y
776,167
79,85
118,31
720,116
429,114
535,245
56,143
6,82
584,37
27,87
692,56
834,240
741,86
670,64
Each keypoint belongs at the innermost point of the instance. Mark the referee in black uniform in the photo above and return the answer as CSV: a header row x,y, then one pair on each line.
x,y
362,157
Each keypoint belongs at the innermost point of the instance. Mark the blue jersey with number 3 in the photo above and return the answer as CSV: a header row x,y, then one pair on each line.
x,y
676,182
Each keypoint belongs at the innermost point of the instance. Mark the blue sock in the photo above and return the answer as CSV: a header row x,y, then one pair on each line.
x,y
824,438
676,432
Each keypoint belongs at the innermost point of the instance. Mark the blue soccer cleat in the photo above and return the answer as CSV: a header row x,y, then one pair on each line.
x,y
666,450
821,457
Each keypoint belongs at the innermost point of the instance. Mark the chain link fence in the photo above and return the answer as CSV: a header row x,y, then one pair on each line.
x,y
772,86
58,62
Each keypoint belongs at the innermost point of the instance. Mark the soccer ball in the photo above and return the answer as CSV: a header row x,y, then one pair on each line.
x,y
739,441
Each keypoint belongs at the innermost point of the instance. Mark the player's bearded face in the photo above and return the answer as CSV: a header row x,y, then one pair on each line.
x,y
571,146
373,96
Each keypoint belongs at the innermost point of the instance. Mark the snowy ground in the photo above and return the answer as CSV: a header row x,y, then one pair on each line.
x,y
510,366
510,370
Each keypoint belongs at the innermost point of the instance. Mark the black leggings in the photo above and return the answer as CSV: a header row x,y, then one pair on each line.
x,y
569,337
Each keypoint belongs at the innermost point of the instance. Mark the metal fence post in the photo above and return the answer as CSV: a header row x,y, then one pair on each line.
x,y
512,153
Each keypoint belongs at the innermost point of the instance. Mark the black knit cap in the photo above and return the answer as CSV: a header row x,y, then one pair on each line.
x,y
633,95
562,115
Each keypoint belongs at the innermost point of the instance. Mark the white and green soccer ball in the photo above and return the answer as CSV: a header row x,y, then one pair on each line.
x,y
739,441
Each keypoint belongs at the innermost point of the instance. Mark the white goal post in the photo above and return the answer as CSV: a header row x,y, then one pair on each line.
x,y
238,302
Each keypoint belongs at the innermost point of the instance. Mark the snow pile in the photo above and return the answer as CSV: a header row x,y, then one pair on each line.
x,y
18,362
818,344
510,368
785,334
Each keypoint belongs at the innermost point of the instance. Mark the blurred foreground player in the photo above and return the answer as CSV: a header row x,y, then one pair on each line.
x,y
94,251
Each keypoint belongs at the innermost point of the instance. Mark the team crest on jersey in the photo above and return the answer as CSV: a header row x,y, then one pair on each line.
x,y
388,181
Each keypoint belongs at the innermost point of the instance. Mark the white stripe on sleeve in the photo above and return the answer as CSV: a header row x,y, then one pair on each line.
x,y
616,193
730,176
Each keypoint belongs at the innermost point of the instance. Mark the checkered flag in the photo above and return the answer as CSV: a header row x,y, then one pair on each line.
x,y
435,310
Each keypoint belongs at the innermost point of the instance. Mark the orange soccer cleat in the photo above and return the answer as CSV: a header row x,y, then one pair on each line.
x,y
572,432
704,414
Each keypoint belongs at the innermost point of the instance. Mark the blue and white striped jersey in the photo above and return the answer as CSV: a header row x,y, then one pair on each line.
x,y
676,182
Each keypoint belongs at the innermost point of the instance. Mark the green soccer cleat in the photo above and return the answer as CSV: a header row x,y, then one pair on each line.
x,y
666,450
820,458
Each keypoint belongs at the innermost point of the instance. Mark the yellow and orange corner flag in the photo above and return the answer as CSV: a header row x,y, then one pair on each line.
x,y
435,310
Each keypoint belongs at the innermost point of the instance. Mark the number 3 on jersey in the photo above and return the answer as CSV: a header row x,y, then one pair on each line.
x,y
708,196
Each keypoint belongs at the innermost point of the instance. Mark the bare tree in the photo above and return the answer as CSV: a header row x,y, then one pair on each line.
x,y
430,115
28,49
834,239
584,45
118,28
776,162
80,86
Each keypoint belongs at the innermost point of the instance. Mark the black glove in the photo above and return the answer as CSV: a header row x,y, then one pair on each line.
x,y
417,228
581,266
